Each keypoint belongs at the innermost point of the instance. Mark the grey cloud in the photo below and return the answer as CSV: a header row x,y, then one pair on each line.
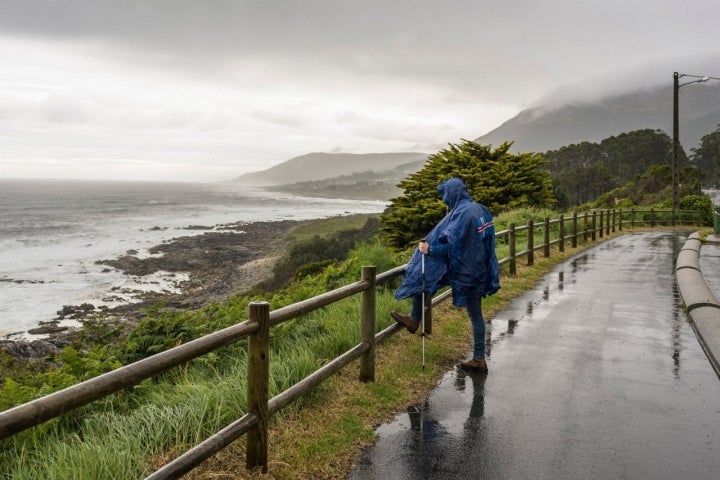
x,y
510,51
236,75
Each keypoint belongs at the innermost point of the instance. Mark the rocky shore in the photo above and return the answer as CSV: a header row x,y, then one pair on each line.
x,y
224,261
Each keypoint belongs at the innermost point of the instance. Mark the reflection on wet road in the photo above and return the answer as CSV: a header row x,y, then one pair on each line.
x,y
595,373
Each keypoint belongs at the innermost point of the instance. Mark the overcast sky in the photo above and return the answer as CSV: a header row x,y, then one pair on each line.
x,y
203,90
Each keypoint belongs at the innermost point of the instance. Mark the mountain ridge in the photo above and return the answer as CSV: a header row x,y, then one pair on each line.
x,y
321,166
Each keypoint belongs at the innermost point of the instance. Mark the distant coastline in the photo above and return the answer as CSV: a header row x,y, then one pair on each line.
x,y
66,246
380,191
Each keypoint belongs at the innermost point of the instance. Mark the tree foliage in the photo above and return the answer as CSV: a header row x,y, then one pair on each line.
x,y
706,157
648,188
496,178
583,172
701,203
629,154
312,256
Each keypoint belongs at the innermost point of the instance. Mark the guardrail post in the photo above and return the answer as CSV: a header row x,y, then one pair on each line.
x,y
614,215
600,230
593,231
561,232
511,248
257,386
620,220
546,237
574,230
530,242
367,325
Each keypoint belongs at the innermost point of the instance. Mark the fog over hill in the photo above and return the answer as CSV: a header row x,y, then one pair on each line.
x,y
321,166
552,126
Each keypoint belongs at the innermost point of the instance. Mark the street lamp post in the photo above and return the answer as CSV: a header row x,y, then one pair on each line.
x,y
676,141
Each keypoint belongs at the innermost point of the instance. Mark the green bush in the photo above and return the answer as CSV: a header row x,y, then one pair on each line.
x,y
701,203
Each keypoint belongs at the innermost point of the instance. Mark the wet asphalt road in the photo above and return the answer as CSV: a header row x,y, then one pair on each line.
x,y
595,373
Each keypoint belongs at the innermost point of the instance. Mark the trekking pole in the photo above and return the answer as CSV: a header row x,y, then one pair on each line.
x,y
422,316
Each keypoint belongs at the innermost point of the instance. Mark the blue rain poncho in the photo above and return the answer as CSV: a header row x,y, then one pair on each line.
x,y
462,251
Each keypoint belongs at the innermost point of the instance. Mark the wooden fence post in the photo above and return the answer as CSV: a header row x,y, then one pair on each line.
x,y
428,313
561,232
593,223
530,242
585,227
258,374
614,216
608,220
574,230
511,248
546,237
600,230
620,218
367,325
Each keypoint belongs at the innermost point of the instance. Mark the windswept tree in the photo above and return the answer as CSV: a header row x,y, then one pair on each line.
x,y
496,178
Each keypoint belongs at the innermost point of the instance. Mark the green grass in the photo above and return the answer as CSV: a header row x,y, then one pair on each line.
x,y
328,226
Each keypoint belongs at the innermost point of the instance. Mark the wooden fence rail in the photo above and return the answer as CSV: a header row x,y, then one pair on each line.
x,y
582,228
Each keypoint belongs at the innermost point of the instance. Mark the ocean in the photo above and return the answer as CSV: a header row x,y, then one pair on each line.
x,y
53,231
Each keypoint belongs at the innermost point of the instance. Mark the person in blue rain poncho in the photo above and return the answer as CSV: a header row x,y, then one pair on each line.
x,y
460,252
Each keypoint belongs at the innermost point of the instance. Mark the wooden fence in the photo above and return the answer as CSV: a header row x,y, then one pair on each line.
x,y
578,228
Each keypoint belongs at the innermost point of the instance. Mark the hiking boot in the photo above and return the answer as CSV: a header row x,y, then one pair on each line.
x,y
410,323
474,365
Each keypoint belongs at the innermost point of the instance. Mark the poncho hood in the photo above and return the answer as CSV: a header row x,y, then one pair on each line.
x,y
453,191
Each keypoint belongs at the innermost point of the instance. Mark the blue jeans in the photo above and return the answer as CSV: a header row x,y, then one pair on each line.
x,y
474,310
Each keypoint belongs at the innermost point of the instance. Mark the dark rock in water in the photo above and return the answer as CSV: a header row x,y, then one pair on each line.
x,y
20,282
66,310
50,327
87,307
75,311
